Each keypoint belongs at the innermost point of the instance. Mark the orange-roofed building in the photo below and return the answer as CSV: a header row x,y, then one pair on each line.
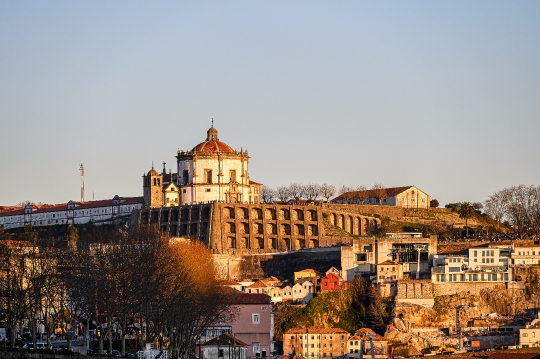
x,y
406,196
306,275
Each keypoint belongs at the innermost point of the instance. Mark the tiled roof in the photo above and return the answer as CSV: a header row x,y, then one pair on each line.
x,y
245,298
255,183
259,284
315,330
78,205
364,332
308,270
224,340
213,147
371,193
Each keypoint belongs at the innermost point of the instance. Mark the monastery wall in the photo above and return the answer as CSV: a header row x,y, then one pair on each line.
x,y
425,289
241,229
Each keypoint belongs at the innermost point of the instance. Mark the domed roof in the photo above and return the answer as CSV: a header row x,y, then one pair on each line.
x,y
213,144
152,172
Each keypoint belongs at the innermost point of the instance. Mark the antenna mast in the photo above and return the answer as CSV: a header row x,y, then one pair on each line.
x,y
81,167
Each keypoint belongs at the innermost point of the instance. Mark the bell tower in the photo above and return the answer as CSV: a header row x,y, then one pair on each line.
x,y
153,189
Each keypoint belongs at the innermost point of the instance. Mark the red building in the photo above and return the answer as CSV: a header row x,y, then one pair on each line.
x,y
332,282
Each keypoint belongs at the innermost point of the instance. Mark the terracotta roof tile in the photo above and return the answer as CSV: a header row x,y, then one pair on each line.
x,y
370,193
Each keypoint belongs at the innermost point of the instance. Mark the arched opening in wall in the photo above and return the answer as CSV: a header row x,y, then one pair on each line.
x,y
256,213
244,228
243,213
351,225
375,225
335,219
288,244
195,214
175,213
271,228
231,242
258,228
271,214
299,230
164,216
342,222
230,227
260,242
313,230
154,217
301,243
298,214
183,230
314,243
229,212
366,226
359,226
204,228
274,243
285,214
312,215
144,217
286,229
206,213
193,229
185,215
174,229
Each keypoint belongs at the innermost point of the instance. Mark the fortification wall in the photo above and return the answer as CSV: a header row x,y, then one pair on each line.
x,y
425,289
242,229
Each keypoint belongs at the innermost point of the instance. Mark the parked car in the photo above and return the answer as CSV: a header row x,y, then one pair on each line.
x,y
116,353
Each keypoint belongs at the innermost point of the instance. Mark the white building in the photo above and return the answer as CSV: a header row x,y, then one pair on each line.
x,y
97,212
486,263
406,196
214,171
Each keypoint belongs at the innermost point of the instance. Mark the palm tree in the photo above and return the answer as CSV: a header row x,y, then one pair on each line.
x,y
466,210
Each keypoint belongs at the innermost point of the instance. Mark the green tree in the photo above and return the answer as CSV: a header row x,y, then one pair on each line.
x,y
466,210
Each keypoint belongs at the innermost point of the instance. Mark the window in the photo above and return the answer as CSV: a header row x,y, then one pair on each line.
x,y
208,176
256,318
525,335
220,353
207,190
185,176
233,175
255,346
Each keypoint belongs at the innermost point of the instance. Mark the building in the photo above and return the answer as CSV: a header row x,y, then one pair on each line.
x,y
370,340
224,346
97,212
388,274
316,342
305,275
407,196
332,281
253,323
485,263
415,255
214,171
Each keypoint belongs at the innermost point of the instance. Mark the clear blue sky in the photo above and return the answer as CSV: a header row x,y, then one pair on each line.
x,y
444,95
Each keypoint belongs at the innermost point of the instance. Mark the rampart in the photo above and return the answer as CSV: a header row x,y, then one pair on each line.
x,y
425,289
241,229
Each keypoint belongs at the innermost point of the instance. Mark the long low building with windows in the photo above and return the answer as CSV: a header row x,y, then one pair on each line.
x,y
97,212
486,263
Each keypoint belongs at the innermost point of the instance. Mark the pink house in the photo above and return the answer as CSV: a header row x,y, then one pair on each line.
x,y
253,323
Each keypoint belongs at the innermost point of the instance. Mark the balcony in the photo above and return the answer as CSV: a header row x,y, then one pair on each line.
x,y
439,269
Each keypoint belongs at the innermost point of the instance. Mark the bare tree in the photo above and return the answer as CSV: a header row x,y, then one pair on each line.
x,y
312,191
361,193
328,191
283,193
297,190
496,205
268,194
379,192
345,193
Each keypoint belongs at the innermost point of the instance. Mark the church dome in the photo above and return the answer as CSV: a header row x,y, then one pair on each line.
x,y
152,172
213,144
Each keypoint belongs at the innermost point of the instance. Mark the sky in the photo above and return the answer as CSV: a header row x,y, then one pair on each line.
x,y
443,95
